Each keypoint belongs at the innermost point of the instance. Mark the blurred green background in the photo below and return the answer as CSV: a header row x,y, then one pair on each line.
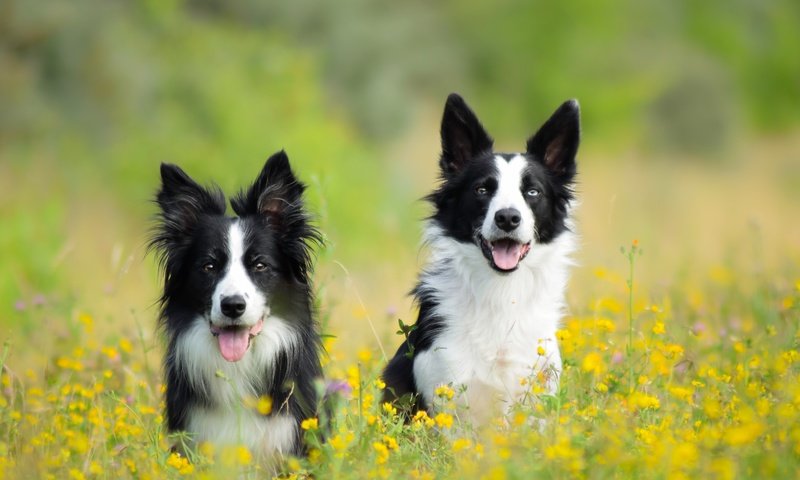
x,y
691,115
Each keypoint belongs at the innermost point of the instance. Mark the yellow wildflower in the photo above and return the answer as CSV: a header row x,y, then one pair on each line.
x,y
563,335
382,450
243,456
125,345
110,352
593,363
309,424
444,391
744,434
364,355
390,442
389,408
461,444
87,321
179,463
496,473
76,474
422,418
314,455
264,405
444,420
682,393
341,441
642,401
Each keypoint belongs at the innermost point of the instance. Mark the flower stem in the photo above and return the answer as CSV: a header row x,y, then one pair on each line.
x,y
631,254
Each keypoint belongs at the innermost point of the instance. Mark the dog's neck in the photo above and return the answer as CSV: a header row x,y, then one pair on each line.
x,y
461,266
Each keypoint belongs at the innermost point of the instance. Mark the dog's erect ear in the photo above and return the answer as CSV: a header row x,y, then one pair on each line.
x,y
556,142
463,136
275,189
183,201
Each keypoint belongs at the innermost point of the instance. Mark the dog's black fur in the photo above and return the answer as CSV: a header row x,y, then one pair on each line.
x,y
466,165
190,238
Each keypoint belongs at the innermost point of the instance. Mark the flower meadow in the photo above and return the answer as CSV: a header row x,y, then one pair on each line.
x,y
695,381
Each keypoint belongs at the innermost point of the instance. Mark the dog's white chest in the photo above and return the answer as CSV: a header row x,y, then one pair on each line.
x,y
493,327
228,420
488,355
264,436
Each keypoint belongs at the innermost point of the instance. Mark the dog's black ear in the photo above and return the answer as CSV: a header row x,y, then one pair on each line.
x,y
183,201
275,190
556,142
463,136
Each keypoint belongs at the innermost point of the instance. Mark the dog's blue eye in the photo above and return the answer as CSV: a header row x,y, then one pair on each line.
x,y
532,193
260,267
481,190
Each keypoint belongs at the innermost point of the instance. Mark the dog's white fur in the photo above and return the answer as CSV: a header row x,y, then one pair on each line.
x,y
508,195
230,384
237,282
493,323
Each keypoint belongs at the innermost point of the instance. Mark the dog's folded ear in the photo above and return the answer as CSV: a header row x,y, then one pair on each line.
x,y
556,142
183,201
463,136
275,190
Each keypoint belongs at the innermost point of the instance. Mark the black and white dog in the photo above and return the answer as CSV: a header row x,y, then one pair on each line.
x,y
493,290
237,310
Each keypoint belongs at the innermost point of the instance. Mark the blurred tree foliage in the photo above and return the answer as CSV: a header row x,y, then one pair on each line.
x,y
684,73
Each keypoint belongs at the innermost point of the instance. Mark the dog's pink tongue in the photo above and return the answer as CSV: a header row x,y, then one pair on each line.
x,y
506,254
233,343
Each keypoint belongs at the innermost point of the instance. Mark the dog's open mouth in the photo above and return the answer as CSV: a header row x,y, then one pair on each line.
x,y
505,254
235,340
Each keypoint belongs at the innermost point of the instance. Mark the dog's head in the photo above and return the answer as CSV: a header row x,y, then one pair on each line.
x,y
231,272
506,204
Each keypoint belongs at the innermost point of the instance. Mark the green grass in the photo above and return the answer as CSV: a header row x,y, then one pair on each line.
x,y
705,382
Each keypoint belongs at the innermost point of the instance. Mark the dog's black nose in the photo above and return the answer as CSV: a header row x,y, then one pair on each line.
x,y
507,219
233,306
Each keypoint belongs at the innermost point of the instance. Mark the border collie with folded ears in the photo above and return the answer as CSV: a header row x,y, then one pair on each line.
x,y
493,289
237,310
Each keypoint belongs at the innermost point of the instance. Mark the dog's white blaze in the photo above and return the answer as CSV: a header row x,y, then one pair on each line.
x,y
229,383
509,195
493,323
236,281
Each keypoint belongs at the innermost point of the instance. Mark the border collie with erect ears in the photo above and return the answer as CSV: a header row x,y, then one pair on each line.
x,y
493,289
237,311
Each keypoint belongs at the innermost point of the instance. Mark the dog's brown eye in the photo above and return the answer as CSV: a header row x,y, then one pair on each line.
x,y
481,190
208,267
260,267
